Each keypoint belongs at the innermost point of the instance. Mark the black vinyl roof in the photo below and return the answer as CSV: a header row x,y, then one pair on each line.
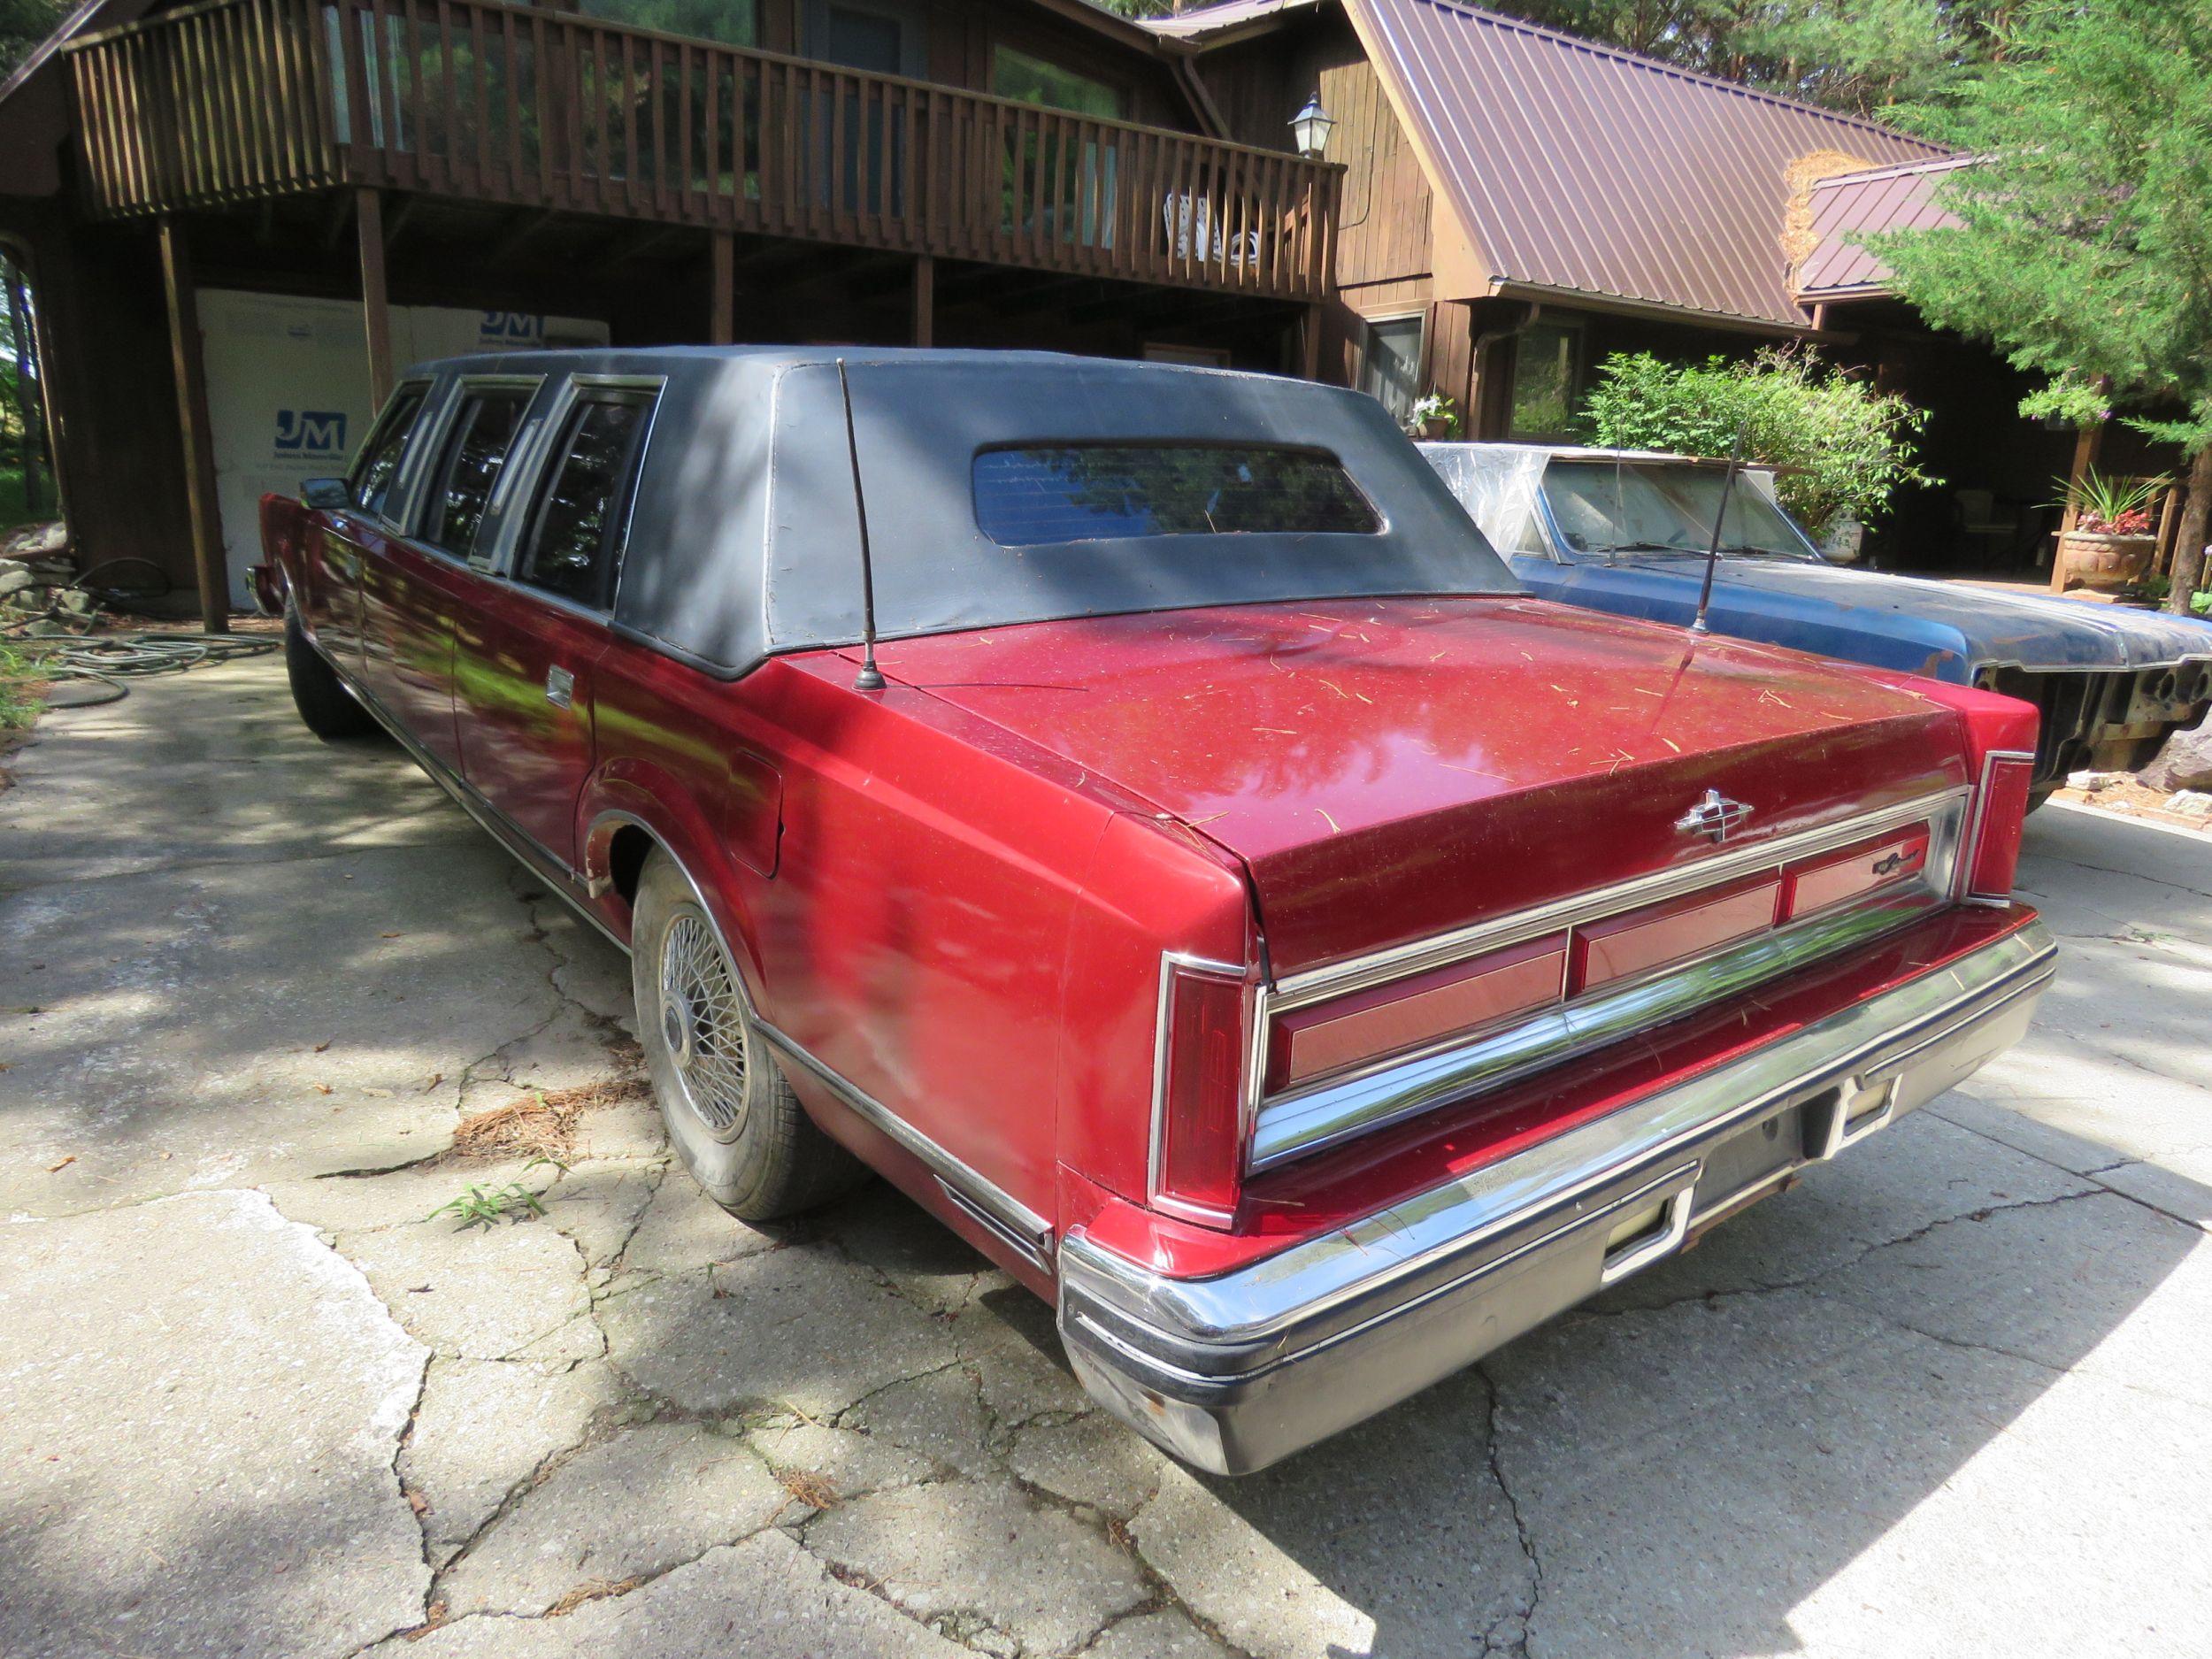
x,y
744,540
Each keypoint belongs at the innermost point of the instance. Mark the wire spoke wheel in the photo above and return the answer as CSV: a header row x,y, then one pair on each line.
x,y
703,1022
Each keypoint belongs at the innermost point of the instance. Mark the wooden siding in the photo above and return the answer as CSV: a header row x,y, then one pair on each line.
x,y
241,100
1385,233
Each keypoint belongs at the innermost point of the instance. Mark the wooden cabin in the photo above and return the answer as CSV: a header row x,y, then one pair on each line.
x,y
243,216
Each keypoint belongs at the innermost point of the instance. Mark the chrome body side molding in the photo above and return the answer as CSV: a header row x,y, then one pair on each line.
x,y
1005,1216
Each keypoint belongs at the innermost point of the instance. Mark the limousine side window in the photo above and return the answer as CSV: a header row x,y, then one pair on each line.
x,y
377,465
475,448
574,544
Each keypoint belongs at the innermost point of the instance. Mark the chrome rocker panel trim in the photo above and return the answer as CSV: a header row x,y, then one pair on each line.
x,y
1232,1373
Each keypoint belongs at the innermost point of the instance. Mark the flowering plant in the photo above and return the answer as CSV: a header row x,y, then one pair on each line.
x,y
1434,407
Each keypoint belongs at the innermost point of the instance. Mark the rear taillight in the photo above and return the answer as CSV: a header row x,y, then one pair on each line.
x,y
1312,1042
1198,1122
2000,741
2000,815
1812,885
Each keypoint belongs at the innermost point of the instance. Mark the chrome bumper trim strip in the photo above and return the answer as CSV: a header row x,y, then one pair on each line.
x,y
1307,1280
1233,1372
1292,1123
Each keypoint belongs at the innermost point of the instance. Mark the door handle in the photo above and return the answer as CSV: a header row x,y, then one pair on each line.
x,y
560,687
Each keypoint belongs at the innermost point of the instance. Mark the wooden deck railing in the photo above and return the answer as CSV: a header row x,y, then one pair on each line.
x,y
239,99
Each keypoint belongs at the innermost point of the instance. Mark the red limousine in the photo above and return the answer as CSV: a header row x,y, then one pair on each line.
x,y
1224,898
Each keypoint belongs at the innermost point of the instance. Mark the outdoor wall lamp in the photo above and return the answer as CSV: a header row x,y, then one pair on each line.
x,y
1311,127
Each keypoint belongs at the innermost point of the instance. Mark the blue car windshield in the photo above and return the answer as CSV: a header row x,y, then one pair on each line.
x,y
1656,507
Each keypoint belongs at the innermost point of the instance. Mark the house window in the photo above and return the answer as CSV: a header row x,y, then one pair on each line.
x,y
1390,363
1545,358
1016,74
1193,357
732,22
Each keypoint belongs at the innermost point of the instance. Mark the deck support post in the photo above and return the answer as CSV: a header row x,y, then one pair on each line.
x,y
197,429
376,308
1310,368
722,301
2086,442
925,299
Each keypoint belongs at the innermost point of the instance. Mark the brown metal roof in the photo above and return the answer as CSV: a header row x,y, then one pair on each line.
x,y
1849,206
1576,169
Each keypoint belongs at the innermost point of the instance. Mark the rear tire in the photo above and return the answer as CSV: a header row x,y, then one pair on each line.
x,y
730,1111
327,708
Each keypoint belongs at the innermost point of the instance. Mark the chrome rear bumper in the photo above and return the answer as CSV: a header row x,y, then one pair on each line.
x,y
1233,1372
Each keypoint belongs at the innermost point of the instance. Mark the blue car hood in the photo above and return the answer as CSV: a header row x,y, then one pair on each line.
x,y
1947,630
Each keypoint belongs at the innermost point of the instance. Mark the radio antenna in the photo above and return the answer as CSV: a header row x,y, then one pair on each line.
x,y
1698,624
870,678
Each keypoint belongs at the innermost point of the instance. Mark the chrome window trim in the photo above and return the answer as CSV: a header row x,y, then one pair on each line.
x,y
1156,1140
1389,1090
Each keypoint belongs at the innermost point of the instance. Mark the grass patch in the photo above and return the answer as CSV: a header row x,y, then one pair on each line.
x,y
18,691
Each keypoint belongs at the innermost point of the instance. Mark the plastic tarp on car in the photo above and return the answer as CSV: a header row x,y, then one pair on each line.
x,y
1497,484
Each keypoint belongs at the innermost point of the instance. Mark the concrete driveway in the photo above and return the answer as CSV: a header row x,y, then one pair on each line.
x,y
1951,1395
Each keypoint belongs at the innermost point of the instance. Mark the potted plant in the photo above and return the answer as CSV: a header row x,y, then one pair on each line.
x,y
2113,539
1434,418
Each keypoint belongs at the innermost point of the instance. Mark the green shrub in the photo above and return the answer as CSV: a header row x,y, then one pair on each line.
x,y
1843,448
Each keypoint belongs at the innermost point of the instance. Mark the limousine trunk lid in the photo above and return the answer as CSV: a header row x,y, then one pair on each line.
x,y
1392,769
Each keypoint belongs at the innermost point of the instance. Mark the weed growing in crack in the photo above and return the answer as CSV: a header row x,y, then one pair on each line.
x,y
479,1205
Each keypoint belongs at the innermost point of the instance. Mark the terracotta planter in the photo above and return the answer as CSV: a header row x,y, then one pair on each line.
x,y
2104,563
1436,430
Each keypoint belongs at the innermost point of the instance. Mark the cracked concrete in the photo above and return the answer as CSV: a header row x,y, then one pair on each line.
x,y
1947,1395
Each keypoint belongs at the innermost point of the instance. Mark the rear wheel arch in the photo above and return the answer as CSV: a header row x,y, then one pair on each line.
x,y
617,844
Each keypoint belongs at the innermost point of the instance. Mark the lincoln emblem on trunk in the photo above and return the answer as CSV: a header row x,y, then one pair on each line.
x,y
1715,815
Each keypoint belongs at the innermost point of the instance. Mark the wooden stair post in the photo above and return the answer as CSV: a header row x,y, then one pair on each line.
x,y
197,429
925,300
376,311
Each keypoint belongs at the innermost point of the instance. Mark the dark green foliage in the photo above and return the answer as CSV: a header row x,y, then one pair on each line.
x,y
1846,447
1856,55
2086,253
23,25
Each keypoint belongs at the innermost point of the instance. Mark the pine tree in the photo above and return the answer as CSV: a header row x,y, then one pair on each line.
x,y
2086,250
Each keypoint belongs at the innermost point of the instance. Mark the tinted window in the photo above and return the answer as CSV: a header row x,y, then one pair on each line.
x,y
378,462
475,449
1543,380
1088,492
574,546
1391,373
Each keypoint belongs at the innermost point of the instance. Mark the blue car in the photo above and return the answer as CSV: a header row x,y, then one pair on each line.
x,y
1626,532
